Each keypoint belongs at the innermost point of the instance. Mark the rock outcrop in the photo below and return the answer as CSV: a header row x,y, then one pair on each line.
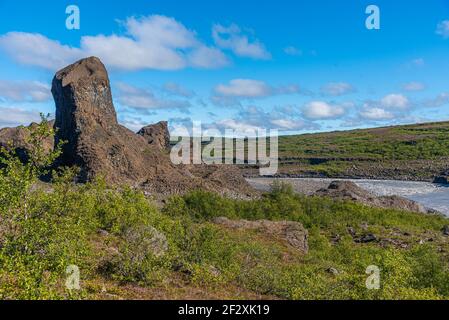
x,y
346,190
157,135
86,120
291,232
100,146
17,139
442,180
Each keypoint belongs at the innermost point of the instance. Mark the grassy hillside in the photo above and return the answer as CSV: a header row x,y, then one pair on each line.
x,y
122,245
416,152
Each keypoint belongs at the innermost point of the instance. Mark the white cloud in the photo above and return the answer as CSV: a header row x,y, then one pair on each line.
x,y
207,57
37,50
24,91
292,51
132,123
153,42
443,29
244,88
143,99
234,39
413,86
395,101
376,114
13,117
288,124
440,100
317,110
289,89
253,117
178,90
418,62
240,126
337,89
238,89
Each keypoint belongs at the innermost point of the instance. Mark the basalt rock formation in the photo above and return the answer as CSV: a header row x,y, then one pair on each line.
x,y
100,146
86,120
17,139
157,135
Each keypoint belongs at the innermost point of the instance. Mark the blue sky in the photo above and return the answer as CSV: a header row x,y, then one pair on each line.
x,y
293,65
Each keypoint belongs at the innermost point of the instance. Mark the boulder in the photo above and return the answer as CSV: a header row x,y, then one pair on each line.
x,y
367,238
347,190
291,232
445,230
157,135
441,180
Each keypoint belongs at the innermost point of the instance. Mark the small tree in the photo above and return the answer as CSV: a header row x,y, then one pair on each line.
x,y
17,178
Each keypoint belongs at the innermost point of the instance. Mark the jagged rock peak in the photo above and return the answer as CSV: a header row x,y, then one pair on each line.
x,y
157,135
84,87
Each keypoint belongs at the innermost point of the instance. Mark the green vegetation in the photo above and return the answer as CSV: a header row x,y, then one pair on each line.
x,y
334,153
413,142
125,247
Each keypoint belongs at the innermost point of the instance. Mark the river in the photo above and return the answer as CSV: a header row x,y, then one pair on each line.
x,y
428,194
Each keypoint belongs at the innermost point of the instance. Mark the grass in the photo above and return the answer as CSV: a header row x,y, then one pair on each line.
x,y
126,247
413,151
412,142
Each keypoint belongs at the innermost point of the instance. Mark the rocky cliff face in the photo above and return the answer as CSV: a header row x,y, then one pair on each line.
x,y
17,139
86,119
157,135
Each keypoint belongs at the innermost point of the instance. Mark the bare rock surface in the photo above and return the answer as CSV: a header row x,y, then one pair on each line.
x,y
157,135
291,232
442,179
17,139
100,146
347,190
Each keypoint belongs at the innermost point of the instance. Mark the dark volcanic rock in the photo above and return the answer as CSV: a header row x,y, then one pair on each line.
x,y
445,231
86,119
441,180
347,190
367,238
17,139
157,134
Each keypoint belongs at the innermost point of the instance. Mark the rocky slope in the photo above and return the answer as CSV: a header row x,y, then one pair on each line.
x,y
99,145
18,139
157,135
95,142
346,190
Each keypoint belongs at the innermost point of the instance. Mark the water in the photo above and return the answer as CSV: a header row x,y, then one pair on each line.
x,y
430,195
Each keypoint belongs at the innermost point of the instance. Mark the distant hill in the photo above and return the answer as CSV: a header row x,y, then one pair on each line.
x,y
409,152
